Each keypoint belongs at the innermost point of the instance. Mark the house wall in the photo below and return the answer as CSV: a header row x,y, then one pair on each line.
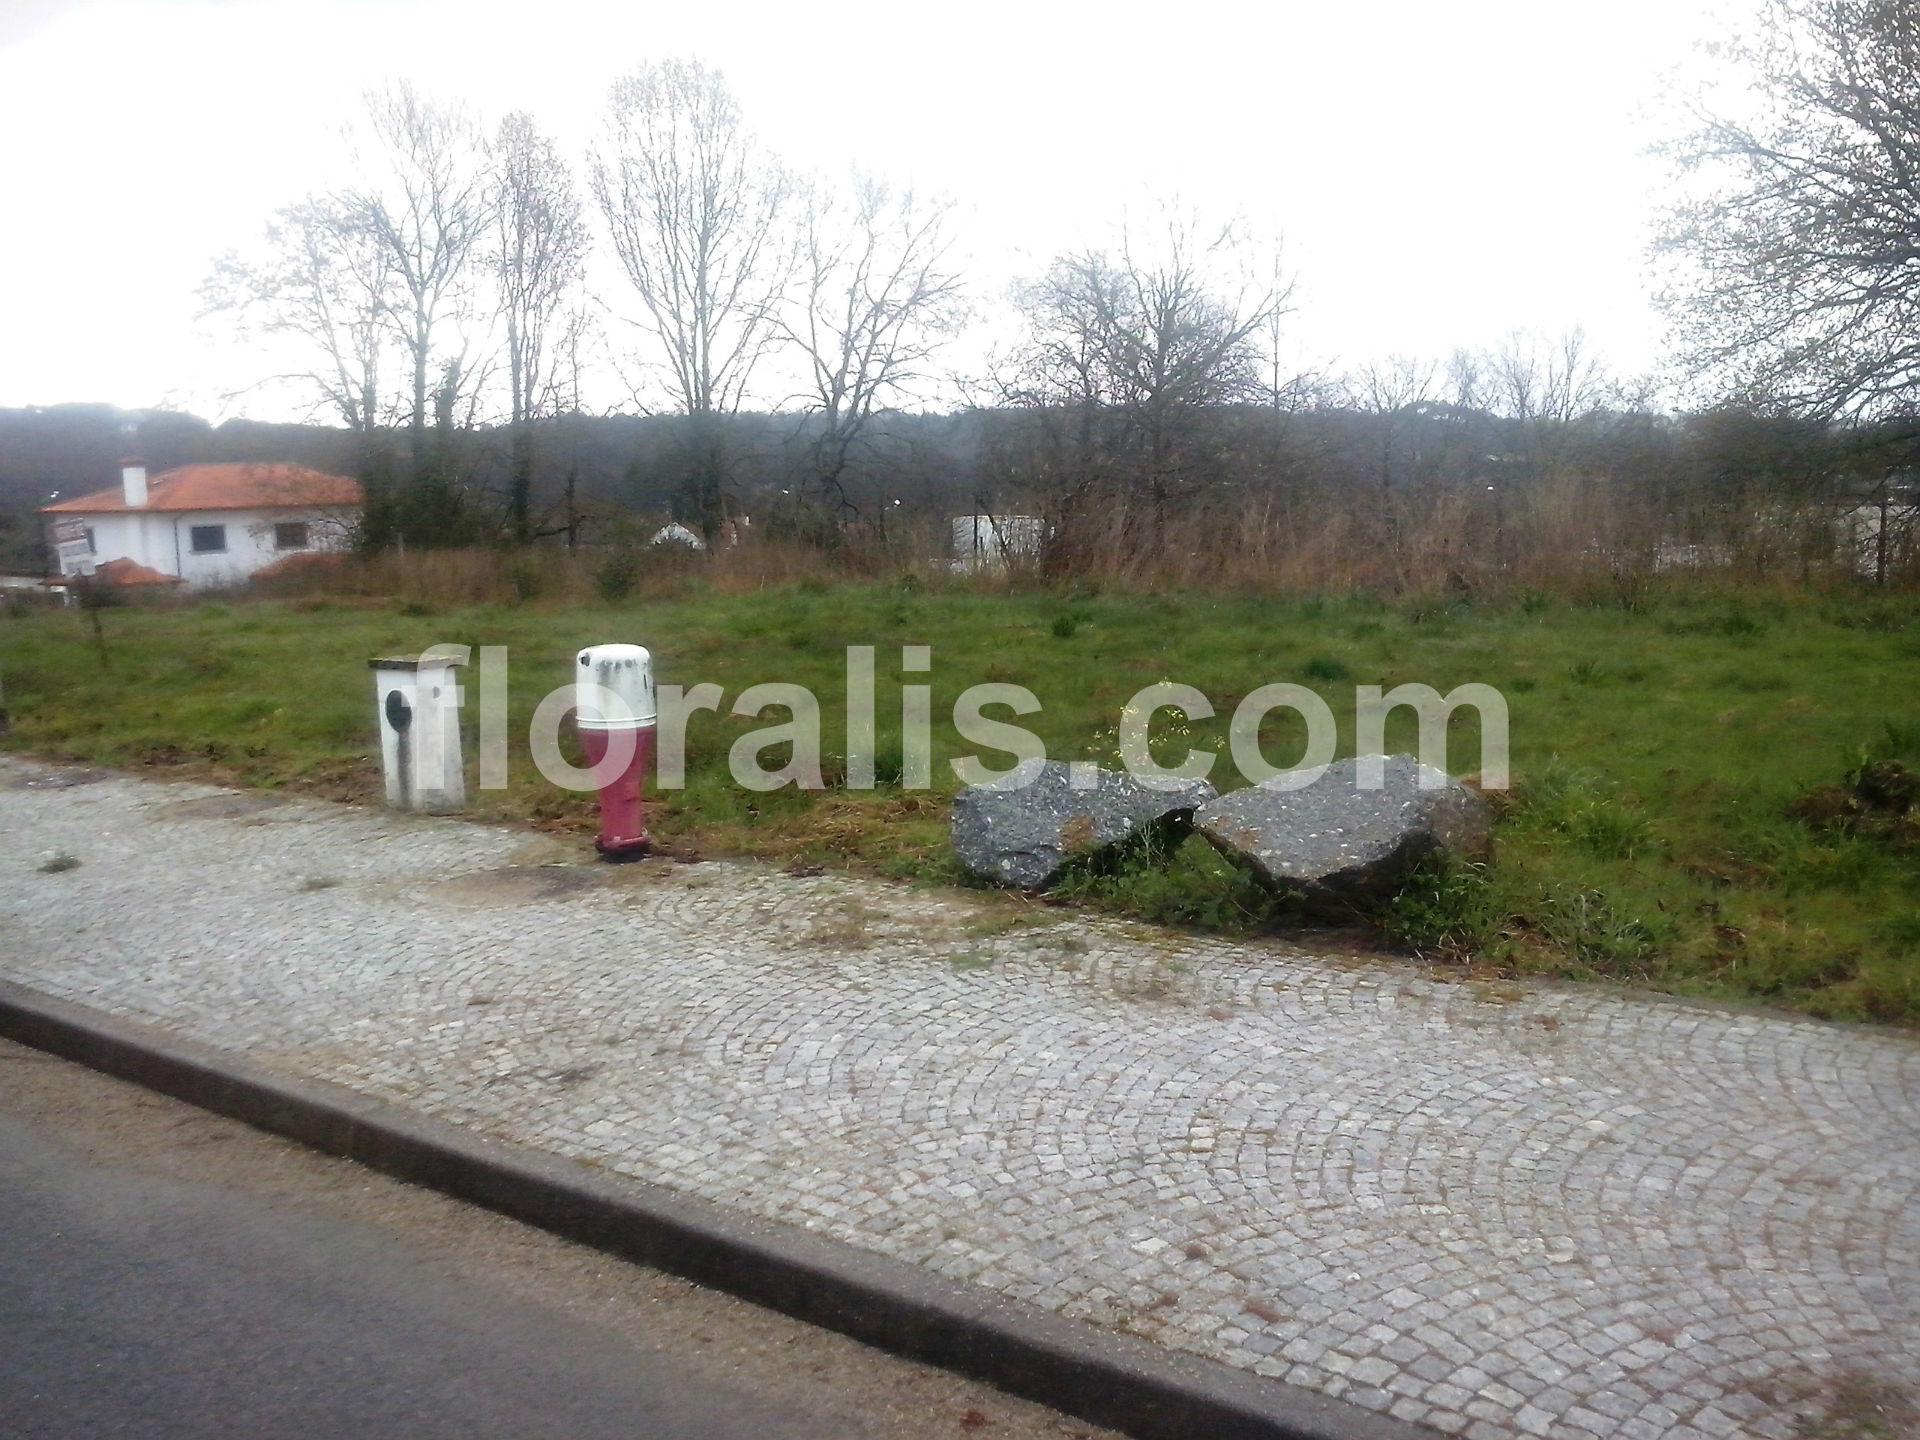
x,y
163,539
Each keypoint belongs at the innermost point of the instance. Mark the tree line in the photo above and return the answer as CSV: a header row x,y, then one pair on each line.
x,y
447,287
1144,398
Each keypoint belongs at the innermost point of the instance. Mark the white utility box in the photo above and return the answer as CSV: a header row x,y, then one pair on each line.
x,y
418,699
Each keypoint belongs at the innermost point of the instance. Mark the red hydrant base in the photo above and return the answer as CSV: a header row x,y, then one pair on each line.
x,y
623,811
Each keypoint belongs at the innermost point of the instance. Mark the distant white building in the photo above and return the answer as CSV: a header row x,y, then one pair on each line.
x,y
676,536
202,525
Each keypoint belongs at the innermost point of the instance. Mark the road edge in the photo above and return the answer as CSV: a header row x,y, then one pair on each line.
x,y
1106,1379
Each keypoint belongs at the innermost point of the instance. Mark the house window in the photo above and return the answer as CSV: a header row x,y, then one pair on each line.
x,y
290,535
208,539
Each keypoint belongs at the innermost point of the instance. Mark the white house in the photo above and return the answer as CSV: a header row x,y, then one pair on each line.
x,y
202,524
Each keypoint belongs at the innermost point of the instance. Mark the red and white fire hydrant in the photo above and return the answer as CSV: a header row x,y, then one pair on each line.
x,y
617,710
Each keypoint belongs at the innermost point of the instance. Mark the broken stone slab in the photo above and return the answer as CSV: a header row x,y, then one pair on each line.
x,y
1336,840
1025,835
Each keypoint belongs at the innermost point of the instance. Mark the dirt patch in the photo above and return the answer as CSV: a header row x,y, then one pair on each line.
x,y
1496,992
63,779
1850,1405
519,885
216,807
846,924
546,850
1879,802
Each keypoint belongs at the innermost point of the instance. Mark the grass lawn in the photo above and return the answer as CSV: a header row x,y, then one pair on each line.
x,y
1657,752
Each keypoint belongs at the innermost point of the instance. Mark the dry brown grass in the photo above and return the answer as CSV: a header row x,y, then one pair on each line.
x,y
1575,538
592,575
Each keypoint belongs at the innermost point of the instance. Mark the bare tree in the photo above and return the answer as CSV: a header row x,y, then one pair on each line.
x,y
694,208
1545,383
539,260
1287,386
1137,346
320,286
1794,269
877,297
1397,392
426,201
1289,390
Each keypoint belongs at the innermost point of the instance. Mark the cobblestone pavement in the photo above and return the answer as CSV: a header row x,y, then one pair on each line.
x,y
1497,1210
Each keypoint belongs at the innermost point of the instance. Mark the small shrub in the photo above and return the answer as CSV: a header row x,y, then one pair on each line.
x,y
1886,786
90,595
528,579
1876,617
889,762
1605,828
1734,624
615,577
1810,856
1566,800
1446,909
1586,926
1431,612
1325,667
1878,801
1173,881
1900,740
1063,627
1903,930
1778,964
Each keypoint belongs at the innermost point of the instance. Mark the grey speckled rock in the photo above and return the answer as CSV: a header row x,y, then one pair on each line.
x,y
1026,836
1336,841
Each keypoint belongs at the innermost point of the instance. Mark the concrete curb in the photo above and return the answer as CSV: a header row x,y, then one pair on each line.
x,y
1109,1380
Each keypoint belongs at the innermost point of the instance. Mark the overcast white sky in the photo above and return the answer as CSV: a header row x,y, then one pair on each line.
x,y
1443,174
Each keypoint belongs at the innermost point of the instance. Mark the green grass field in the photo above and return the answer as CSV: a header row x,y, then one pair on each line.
x,y
1658,752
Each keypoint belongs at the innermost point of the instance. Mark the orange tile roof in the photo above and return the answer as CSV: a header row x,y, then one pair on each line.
x,y
305,562
122,572
224,487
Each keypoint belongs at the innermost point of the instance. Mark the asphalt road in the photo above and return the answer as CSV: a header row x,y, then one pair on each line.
x,y
164,1273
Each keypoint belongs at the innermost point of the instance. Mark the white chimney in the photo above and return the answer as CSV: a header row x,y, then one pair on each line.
x,y
133,483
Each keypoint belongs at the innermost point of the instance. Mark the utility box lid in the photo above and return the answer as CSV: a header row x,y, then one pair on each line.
x,y
625,674
413,663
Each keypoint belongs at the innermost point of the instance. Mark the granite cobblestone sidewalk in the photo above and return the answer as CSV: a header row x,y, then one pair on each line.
x,y
1495,1210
